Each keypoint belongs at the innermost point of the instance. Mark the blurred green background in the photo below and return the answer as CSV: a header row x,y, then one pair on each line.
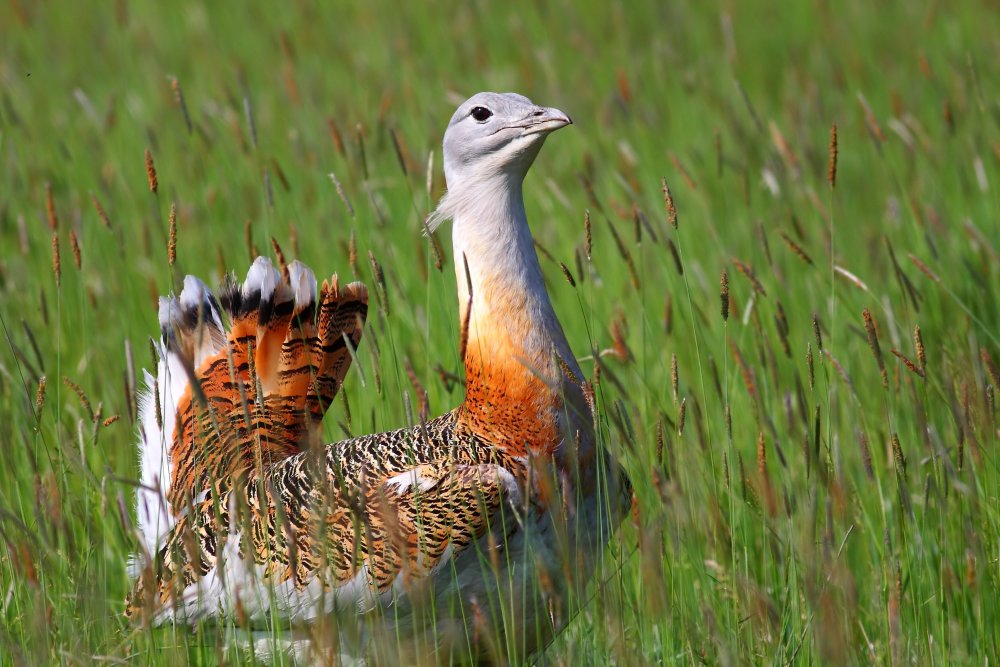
x,y
807,508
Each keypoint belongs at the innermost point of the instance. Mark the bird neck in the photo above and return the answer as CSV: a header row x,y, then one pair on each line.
x,y
518,365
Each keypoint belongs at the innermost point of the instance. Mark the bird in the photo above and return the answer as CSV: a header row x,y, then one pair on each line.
x,y
492,516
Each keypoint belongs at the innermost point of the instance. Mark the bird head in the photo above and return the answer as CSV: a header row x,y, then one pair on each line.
x,y
496,134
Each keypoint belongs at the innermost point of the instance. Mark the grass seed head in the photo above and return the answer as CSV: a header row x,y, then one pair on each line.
x,y
897,455
724,295
587,238
40,396
56,263
872,334
810,366
673,375
50,208
831,171
668,200
151,172
918,343
100,212
74,245
179,98
172,237
817,332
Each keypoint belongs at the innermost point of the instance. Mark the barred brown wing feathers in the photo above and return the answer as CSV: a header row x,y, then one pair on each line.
x,y
380,522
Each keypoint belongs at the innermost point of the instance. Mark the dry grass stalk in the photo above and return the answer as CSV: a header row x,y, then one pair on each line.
x,y
619,347
56,264
681,416
851,278
50,208
783,148
724,295
151,172
674,160
831,171
280,256
668,200
248,239
871,122
587,238
343,195
423,404
352,254
923,268
748,272
872,334
100,212
841,372
747,373
179,98
796,248
335,136
626,255
74,245
912,367
172,236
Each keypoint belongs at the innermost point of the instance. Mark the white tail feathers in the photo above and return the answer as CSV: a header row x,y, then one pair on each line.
x,y
190,332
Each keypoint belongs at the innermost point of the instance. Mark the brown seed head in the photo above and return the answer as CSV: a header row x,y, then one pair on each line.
x,y
172,238
50,208
40,396
151,172
918,343
724,295
567,274
817,332
872,335
897,455
674,375
56,264
831,172
100,212
668,200
588,241
74,245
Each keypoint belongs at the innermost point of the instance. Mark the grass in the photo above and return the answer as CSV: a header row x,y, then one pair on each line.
x,y
825,498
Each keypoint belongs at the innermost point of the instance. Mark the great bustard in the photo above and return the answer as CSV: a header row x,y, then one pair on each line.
x,y
497,508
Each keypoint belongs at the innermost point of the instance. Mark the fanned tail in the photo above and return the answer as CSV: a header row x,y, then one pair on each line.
x,y
225,402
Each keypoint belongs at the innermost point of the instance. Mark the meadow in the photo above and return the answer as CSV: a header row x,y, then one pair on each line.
x,y
796,353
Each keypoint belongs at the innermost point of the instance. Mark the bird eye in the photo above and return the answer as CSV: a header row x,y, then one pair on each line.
x,y
481,114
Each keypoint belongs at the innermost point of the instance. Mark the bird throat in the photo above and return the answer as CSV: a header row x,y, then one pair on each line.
x,y
515,353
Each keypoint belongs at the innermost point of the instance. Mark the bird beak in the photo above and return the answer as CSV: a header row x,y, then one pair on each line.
x,y
545,120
